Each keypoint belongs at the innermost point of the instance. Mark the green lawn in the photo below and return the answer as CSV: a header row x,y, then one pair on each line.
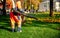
x,y
31,28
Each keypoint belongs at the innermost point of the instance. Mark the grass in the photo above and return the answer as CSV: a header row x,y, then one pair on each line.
x,y
31,28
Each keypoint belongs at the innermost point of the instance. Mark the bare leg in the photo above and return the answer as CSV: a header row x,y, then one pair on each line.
x,y
19,24
12,25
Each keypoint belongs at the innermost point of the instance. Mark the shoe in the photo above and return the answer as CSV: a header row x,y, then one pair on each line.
x,y
20,30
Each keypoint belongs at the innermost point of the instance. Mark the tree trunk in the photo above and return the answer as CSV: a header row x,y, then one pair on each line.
x,y
51,8
4,8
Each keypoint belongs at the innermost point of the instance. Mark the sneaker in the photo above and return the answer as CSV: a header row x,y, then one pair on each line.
x,y
20,30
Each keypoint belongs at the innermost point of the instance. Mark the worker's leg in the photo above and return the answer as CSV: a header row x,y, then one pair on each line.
x,y
19,24
12,24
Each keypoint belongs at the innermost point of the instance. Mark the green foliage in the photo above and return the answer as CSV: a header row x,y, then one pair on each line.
x,y
29,3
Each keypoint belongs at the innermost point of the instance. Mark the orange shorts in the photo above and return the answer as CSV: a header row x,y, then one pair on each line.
x,y
13,18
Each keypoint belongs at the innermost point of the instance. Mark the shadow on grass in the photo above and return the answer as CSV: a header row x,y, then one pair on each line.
x,y
35,23
59,35
5,28
4,23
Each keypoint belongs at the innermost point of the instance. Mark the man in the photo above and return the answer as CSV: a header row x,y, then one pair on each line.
x,y
15,17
